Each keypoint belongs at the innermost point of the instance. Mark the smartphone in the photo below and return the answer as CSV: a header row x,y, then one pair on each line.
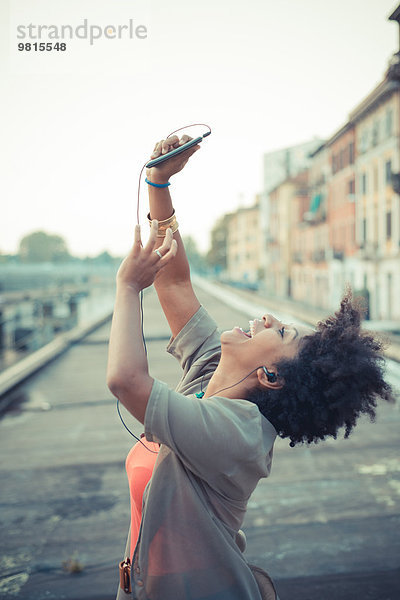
x,y
175,151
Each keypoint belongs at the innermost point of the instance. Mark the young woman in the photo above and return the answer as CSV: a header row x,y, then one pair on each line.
x,y
276,379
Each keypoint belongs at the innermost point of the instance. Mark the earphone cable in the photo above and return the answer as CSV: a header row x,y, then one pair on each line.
x,y
237,383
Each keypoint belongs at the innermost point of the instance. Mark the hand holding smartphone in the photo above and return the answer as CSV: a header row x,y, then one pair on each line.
x,y
160,159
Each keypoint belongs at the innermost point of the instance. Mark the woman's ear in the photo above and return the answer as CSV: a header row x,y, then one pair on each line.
x,y
269,379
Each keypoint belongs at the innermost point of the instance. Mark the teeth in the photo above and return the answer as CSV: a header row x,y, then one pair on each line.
x,y
251,323
242,330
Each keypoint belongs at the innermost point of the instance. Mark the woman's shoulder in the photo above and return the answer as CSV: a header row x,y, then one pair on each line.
x,y
242,417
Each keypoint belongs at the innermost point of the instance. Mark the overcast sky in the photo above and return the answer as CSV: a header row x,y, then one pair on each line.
x,y
77,126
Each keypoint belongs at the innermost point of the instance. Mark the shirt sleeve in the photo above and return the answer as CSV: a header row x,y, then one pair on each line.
x,y
198,339
222,441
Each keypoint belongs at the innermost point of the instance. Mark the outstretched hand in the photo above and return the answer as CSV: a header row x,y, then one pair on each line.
x,y
173,165
140,268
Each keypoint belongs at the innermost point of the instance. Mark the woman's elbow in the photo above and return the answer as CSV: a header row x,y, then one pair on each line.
x,y
113,385
133,395
118,382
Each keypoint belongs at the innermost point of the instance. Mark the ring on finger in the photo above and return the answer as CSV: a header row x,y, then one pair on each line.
x,y
158,253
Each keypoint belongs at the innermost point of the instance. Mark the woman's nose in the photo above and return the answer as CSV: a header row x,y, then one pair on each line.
x,y
271,321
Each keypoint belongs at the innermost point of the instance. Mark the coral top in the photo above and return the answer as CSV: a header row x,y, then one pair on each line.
x,y
139,468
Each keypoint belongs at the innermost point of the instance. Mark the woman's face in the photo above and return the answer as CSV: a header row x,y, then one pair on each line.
x,y
271,341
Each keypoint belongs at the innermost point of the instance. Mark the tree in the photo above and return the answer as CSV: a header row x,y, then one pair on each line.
x,y
195,258
104,258
216,256
40,246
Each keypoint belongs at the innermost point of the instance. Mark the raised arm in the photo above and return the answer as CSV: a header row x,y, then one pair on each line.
x,y
173,284
127,368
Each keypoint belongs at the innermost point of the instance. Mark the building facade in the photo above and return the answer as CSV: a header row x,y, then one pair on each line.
x,y
377,124
341,148
329,215
311,249
287,203
244,246
285,163
349,233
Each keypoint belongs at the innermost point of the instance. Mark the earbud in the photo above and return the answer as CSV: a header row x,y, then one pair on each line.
x,y
270,375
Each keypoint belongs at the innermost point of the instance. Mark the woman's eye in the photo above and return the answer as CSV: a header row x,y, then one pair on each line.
x,y
282,331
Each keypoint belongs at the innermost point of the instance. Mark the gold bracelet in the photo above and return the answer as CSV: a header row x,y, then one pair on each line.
x,y
171,222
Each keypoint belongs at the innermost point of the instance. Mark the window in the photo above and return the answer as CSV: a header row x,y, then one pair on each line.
x,y
364,183
352,187
351,153
388,225
389,122
364,230
388,172
364,141
375,133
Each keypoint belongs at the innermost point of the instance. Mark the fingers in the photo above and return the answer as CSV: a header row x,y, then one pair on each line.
x,y
151,243
167,249
164,146
137,244
149,247
169,144
140,268
157,149
185,138
166,245
169,255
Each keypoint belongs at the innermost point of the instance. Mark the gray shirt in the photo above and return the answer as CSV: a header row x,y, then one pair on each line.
x,y
213,453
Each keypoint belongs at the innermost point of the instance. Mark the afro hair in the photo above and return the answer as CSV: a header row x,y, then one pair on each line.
x,y
337,375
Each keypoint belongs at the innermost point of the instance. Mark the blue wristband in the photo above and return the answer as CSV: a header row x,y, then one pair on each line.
x,y
159,185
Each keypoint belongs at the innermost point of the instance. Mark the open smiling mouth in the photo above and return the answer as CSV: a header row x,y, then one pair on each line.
x,y
250,333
